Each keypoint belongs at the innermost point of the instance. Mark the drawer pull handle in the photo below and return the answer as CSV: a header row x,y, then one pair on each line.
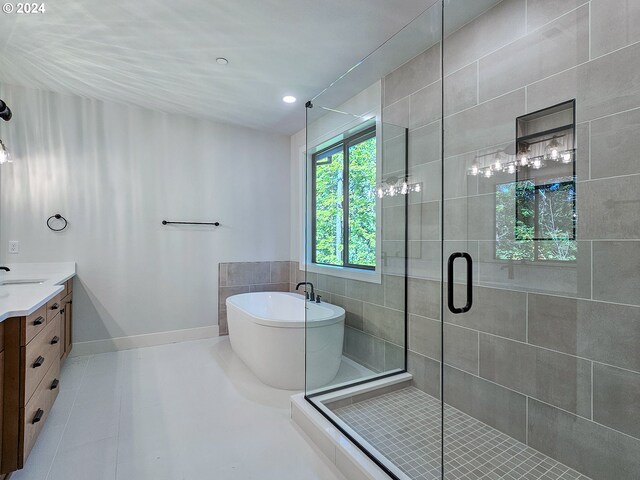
x,y
55,340
55,384
38,416
38,321
55,306
39,361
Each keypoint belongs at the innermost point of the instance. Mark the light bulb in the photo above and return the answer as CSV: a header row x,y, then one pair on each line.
x,y
566,157
5,156
523,160
392,191
511,168
474,169
500,159
488,173
537,163
380,192
417,187
553,149
523,154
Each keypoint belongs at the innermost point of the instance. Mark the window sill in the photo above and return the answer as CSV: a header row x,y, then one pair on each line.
x,y
371,276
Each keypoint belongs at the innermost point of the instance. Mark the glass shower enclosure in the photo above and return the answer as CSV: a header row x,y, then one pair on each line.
x,y
472,193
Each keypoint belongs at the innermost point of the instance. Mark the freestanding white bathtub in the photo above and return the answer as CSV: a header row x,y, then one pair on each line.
x,y
267,331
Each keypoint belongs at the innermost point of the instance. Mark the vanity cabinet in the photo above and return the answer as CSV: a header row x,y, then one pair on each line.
x,y
34,348
66,320
1,385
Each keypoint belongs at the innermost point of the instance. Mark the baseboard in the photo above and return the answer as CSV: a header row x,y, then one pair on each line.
x,y
146,340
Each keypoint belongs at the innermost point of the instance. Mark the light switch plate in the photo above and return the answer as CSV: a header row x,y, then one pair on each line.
x,y
14,246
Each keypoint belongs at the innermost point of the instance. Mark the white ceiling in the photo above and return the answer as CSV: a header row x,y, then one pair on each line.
x,y
161,54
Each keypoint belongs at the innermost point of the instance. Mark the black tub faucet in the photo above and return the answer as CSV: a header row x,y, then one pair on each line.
x,y
310,296
6,269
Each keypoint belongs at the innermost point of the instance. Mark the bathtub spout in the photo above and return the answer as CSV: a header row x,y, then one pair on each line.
x,y
310,296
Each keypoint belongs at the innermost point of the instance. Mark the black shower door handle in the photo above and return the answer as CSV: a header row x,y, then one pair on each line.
x,y
450,282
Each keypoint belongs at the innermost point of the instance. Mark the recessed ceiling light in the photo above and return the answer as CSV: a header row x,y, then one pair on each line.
x,y
222,61
289,99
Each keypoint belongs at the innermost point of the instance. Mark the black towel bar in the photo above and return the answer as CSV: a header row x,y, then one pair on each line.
x,y
215,224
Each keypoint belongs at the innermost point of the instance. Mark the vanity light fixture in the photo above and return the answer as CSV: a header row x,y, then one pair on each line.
x,y
523,155
5,156
392,186
499,160
504,163
552,151
5,111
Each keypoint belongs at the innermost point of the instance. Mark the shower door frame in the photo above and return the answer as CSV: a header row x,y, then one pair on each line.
x,y
309,397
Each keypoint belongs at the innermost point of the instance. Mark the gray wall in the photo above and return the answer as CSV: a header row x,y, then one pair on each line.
x,y
551,356
243,277
374,319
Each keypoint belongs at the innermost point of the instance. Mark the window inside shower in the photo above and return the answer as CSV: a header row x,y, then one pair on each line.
x,y
344,204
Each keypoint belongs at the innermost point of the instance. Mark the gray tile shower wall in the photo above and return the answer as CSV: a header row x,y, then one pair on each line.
x,y
549,354
374,331
244,277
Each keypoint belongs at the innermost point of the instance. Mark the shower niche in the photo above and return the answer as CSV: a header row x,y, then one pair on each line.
x,y
545,184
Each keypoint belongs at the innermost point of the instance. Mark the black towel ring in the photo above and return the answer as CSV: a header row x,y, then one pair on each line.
x,y
57,216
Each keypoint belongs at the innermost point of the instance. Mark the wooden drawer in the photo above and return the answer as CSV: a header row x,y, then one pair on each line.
x,y
53,307
66,299
37,409
35,323
61,332
1,391
42,352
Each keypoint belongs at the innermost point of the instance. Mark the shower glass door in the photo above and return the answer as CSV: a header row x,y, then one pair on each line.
x,y
491,279
541,250
392,294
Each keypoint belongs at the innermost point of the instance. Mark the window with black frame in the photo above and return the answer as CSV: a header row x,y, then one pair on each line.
x,y
344,202
536,222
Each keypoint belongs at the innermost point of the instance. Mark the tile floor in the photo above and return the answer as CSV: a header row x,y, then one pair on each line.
x,y
405,426
182,411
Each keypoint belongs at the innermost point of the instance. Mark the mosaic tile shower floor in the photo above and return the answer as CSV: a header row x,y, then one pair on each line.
x,y
404,425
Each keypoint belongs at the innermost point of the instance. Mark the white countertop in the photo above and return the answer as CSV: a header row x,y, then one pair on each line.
x,y
21,300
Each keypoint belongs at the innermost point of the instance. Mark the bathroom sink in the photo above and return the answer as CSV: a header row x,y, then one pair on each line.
x,y
21,282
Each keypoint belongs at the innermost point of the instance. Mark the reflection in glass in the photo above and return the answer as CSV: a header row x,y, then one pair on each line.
x,y
536,222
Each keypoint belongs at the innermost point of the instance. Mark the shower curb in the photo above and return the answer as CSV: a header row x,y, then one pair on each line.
x,y
334,445
349,459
